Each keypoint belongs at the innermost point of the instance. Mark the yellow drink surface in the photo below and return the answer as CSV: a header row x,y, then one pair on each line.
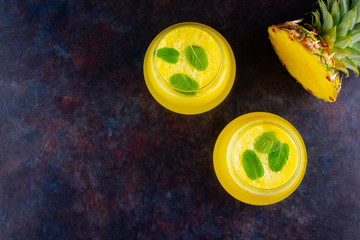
x,y
179,39
271,179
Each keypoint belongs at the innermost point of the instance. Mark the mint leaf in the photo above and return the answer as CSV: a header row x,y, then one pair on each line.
x,y
184,82
196,56
252,165
267,142
169,55
278,159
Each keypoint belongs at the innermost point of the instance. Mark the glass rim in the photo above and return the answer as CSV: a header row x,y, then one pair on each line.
x,y
167,31
252,188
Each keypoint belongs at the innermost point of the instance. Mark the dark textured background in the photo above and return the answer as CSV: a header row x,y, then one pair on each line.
x,y
87,153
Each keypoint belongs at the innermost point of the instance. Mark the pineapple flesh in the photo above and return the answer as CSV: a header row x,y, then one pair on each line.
x,y
314,55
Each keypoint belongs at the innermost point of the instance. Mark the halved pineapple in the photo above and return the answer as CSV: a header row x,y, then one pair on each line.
x,y
313,57
306,59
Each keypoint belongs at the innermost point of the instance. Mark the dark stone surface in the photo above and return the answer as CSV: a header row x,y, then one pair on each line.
x,y
87,153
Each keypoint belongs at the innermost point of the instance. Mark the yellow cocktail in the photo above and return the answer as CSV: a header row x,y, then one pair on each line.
x,y
260,158
271,179
189,68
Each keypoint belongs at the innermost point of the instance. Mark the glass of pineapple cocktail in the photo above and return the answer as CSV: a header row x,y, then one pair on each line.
x,y
260,158
189,68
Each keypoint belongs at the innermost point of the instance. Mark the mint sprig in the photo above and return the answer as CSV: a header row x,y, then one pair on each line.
x,y
197,57
278,155
182,81
278,159
169,55
252,165
267,142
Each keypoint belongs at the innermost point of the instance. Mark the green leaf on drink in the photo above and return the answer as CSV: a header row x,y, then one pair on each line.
x,y
169,55
182,81
278,159
267,142
252,165
197,57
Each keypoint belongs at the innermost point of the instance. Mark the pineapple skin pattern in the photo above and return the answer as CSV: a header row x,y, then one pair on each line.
x,y
314,55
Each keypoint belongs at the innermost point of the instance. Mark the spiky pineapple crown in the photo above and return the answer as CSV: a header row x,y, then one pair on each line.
x,y
338,24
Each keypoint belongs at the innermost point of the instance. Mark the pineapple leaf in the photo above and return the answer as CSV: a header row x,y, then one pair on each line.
x,y
332,33
335,13
343,28
330,37
357,14
328,41
350,65
328,23
355,29
323,9
351,15
340,53
344,7
339,63
342,42
329,4
344,70
354,39
316,20
356,61
340,66
356,46
353,53
355,3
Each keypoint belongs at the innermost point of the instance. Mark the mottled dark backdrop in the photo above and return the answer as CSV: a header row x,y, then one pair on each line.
x,y
87,153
